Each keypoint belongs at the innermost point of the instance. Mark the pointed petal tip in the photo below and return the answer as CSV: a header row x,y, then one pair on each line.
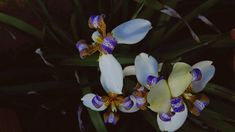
x,y
132,31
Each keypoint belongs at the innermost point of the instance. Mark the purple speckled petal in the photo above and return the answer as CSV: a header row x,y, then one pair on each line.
x,y
111,118
94,21
82,46
108,44
166,116
197,75
200,105
97,101
140,101
152,80
128,103
177,104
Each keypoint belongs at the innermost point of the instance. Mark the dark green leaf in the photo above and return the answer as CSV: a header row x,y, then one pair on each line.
x,y
220,91
93,60
21,25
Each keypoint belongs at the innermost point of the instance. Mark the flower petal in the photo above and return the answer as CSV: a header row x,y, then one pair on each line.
x,y
88,99
160,67
96,37
180,78
159,97
111,117
207,72
176,121
111,74
129,71
145,65
133,107
108,44
132,31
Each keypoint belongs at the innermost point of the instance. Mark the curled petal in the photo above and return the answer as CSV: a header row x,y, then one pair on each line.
x,y
175,123
82,48
207,72
159,97
93,102
199,104
111,74
145,66
132,31
129,71
180,78
111,118
129,105
97,37
97,22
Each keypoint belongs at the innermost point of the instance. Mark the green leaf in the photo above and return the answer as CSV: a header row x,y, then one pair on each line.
x,y
200,9
41,86
187,46
20,25
138,11
220,91
80,16
125,8
97,121
52,25
73,23
216,120
155,4
94,115
158,34
151,119
93,60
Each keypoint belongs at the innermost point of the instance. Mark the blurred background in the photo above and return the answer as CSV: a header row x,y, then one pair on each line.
x,y
35,97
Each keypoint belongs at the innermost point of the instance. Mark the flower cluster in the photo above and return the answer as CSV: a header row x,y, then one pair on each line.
x,y
169,96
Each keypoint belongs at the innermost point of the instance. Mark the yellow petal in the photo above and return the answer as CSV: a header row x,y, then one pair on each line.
x,y
180,78
159,97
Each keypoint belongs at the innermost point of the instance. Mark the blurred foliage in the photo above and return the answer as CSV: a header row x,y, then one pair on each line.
x,y
58,38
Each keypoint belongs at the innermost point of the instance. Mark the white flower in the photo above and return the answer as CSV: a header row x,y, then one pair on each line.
x,y
207,71
112,82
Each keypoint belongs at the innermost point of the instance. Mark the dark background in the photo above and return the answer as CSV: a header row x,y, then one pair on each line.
x,y
54,108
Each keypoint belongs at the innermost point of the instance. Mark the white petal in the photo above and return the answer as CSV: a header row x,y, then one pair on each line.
x,y
176,121
112,74
207,71
180,78
145,65
159,97
133,109
160,67
132,31
104,84
96,37
87,101
129,71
